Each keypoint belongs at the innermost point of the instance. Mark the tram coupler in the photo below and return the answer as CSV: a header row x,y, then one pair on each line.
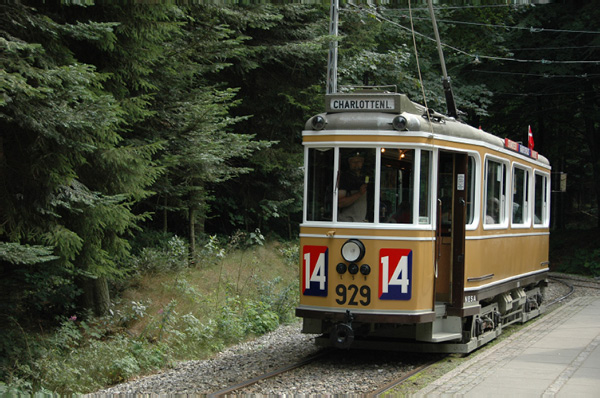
x,y
342,334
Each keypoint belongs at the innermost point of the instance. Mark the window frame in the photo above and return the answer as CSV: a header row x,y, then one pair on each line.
x,y
476,192
418,150
546,201
527,191
504,185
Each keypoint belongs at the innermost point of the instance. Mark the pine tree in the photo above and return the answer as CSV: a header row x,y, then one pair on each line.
x,y
68,177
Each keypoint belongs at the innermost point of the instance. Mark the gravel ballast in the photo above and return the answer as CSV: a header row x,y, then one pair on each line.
x,y
343,372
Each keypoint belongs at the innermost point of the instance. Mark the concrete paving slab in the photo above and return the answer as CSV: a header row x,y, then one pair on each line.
x,y
548,373
579,391
556,356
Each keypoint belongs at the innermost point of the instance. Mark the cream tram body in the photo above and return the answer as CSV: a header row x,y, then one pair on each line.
x,y
454,241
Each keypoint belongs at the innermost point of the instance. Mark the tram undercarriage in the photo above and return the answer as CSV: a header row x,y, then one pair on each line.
x,y
445,334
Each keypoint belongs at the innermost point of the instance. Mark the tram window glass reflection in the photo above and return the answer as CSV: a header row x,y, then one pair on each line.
x,y
540,200
425,188
319,191
445,189
494,194
520,196
397,185
356,185
470,191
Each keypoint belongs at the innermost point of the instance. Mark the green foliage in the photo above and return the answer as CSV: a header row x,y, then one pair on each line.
x,y
86,353
172,257
69,178
575,251
583,262
15,253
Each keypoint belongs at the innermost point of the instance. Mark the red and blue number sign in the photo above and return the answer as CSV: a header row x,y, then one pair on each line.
x,y
395,274
314,270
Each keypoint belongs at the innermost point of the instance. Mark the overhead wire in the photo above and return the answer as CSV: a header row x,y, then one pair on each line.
x,y
507,27
476,57
543,75
418,64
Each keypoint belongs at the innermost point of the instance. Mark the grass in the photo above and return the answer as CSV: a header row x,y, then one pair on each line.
x,y
168,311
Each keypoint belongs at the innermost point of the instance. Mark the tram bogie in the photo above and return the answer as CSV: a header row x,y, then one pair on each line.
x,y
420,232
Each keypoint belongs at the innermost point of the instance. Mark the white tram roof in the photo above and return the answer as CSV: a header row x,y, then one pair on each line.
x,y
377,111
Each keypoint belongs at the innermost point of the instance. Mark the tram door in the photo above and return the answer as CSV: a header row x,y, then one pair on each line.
x,y
450,229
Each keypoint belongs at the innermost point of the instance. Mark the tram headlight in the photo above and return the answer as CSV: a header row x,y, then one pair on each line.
x,y
399,123
353,250
318,122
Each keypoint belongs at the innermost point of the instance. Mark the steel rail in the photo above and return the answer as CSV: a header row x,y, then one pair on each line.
x,y
268,375
571,290
379,392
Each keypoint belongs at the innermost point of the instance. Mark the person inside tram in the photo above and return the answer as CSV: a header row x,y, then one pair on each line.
x,y
493,211
352,198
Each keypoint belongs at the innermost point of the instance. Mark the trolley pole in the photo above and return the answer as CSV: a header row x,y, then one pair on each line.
x,y
452,111
333,48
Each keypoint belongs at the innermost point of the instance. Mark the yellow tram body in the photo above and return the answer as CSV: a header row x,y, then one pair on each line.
x,y
454,241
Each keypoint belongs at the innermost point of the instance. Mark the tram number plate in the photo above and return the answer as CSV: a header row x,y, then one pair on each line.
x,y
395,274
353,295
315,270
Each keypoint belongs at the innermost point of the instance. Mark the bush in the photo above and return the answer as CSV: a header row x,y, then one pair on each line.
x,y
140,335
171,257
259,318
575,251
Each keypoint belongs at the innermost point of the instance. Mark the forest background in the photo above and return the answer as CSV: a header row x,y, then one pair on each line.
x,y
150,139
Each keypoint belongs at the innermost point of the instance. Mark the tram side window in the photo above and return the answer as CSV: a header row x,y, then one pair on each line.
x,y
397,185
520,200
540,211
425,188
356,189
470,191
495,189
319,190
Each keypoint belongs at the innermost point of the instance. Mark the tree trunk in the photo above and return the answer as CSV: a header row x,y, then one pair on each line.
x,y
165,220
96,296
192,215
101,296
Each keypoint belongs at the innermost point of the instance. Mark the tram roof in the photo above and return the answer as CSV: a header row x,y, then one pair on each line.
x,y
381,111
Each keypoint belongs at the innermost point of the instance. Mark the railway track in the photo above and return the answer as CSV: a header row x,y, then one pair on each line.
x,y
416,367
228,390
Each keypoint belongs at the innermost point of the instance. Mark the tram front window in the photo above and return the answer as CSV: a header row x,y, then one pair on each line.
x,y
319,191
356,185
397,184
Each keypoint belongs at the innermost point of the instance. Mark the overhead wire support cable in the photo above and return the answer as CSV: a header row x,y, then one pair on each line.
x,y
451,105
477,56
531,29
333,48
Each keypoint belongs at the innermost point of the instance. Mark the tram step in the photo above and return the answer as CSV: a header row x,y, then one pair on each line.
x,y
443,328
439,337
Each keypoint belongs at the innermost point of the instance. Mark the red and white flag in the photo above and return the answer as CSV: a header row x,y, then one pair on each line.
x,y
530,139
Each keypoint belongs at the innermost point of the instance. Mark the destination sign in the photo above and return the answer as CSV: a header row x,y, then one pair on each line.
x,y
523,150
366,104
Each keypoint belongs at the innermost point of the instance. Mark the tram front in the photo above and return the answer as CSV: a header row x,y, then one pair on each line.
x,y
367,266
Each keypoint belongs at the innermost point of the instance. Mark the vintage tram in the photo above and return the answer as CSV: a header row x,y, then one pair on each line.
x,y
419,232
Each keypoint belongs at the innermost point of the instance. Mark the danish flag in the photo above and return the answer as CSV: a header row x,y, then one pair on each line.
x,y
530,139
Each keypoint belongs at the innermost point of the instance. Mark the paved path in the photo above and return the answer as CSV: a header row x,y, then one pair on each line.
x,y
556,356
